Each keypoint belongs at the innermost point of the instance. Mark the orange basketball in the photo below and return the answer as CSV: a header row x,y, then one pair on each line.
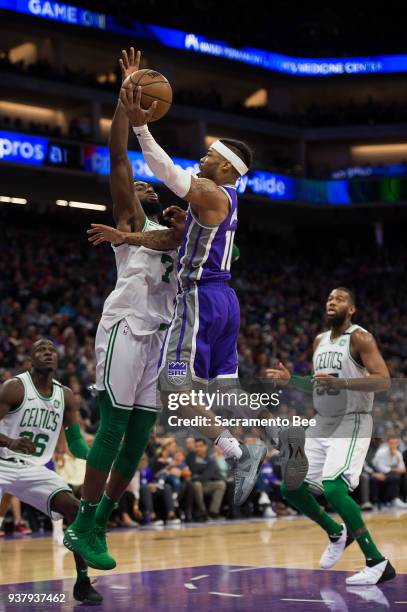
x,y
154,86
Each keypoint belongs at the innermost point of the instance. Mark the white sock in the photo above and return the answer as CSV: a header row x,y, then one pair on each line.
x,y
57,528
229,445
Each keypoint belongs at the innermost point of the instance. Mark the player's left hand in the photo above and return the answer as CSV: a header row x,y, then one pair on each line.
x,y
130,97
176,216
129,63
104,233
327,381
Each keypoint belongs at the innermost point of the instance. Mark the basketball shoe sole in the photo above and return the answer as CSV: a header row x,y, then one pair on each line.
x,y
293,460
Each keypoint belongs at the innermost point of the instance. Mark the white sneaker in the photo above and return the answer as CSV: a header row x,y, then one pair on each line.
x,y
264,499
173,521
333,552
372,575
399,504
269,512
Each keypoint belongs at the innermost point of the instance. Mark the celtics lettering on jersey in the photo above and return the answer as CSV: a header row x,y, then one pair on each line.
x,y
334,357
37,418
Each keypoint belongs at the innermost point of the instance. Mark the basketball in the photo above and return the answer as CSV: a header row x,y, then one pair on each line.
x,y
154,86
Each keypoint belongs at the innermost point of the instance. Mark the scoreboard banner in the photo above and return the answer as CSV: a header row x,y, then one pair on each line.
x,y
188,41
25,149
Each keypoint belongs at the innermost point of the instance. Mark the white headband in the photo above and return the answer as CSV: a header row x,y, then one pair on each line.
x,y
228,154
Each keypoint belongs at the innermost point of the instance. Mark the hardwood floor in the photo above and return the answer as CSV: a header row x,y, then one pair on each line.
x,y
288,543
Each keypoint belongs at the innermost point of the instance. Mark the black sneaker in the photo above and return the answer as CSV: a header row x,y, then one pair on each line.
x,y
83,591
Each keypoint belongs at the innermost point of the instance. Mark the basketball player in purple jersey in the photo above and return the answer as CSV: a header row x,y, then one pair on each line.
x,y
201,343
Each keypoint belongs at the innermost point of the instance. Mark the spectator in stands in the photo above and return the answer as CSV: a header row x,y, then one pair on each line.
x,y
268,486
390,469
11,502
156,496
206,481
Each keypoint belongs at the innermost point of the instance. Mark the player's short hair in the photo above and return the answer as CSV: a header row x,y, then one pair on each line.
x,y
241,149
349,292
392,435
40,341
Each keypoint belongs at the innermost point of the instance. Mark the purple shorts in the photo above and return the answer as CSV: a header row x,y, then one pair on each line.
x,y
201,342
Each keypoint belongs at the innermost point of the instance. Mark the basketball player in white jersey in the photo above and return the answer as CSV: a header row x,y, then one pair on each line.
x,y
348,369
128,343
33,409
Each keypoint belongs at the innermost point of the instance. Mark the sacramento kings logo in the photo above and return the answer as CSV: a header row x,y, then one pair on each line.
x,y
177,372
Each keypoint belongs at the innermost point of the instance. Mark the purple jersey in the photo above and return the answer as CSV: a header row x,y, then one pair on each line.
x,y
206,250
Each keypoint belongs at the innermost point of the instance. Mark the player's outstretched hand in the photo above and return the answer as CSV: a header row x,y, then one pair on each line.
x,y
327,381
129,63
22,445
280,375
104,233
130,97
176,216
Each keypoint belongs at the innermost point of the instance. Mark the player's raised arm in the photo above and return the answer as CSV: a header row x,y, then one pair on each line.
x,y
159,240
223,164
75,440
127,210
11,396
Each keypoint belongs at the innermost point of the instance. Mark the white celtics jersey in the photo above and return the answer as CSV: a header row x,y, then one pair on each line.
x,y
145,288
334,357
37,418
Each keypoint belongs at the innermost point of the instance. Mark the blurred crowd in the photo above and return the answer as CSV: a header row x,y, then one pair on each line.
x,y
54,284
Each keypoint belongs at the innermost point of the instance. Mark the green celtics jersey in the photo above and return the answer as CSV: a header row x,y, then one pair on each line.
x,y
37,418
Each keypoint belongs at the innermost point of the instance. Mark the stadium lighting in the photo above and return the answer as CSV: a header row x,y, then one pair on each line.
x,y
378,153
87,206
11,200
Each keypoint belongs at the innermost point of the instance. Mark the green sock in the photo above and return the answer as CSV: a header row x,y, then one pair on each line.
x,y
85,519
368,547
304,501
104,510
336,491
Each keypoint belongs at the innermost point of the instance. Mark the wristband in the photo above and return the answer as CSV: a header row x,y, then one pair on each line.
x,y
303,383
141,130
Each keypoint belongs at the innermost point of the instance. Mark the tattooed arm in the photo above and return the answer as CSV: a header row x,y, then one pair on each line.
x,y
159,240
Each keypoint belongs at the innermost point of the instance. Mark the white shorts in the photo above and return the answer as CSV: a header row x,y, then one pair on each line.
x,y
35,485
337,448
126,366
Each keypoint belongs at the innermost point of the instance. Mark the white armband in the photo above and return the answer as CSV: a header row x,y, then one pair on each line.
x,y
161,165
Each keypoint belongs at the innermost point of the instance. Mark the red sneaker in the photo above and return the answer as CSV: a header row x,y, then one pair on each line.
x,y
21,529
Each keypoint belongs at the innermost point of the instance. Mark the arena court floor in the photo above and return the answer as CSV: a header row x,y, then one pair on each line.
x,y
248,566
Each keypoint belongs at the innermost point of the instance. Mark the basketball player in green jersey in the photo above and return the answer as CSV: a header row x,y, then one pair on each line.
x,y
33,409
348,369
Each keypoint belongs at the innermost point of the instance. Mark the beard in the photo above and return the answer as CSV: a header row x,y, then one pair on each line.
x,y
151,207
336,320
